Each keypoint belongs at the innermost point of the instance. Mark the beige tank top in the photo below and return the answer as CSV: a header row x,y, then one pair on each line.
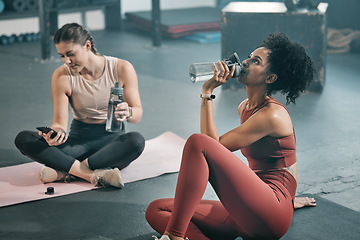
x,y
89,99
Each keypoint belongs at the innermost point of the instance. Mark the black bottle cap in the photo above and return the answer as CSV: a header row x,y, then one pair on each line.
x,y
50,191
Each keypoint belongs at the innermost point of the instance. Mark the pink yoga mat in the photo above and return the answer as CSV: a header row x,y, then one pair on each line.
x,y
21,183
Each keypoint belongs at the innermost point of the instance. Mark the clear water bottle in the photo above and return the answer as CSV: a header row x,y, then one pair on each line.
x,y
116,97
200,72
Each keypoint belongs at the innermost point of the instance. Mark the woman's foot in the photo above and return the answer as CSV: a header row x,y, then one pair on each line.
x,y
300,202
48,174
107,177
166,237
169,236
163,237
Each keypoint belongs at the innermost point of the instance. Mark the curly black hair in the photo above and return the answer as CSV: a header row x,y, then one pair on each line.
x,y
290,62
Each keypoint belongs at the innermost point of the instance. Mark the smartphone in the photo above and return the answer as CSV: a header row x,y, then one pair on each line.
x,y
47,129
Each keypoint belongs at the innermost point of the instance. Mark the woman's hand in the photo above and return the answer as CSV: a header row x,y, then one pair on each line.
x,y
60,138
122,111
219,78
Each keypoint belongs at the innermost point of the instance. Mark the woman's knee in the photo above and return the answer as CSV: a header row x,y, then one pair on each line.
x,y
157,206
196,141
22,139
151,209
136,140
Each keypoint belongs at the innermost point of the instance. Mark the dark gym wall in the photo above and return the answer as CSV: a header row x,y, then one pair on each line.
x,y
344,14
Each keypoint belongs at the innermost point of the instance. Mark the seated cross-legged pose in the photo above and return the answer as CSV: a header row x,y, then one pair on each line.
x,y
256,201
84,81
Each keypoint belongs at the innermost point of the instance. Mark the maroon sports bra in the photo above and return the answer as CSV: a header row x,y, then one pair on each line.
x,y
269,152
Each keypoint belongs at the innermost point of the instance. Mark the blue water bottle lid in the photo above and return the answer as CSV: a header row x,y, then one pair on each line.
x,y
117,89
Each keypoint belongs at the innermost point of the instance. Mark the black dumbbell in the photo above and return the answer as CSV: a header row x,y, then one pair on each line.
x,y
20,38
4,40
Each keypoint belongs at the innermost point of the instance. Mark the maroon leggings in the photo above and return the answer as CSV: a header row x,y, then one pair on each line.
x,y
252,206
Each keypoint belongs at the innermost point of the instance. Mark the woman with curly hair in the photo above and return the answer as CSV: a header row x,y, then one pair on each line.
x,y
256,201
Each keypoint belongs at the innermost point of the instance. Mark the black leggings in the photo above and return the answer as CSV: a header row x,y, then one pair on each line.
x,y
85,140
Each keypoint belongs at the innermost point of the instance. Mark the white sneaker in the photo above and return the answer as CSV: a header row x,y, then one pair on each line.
x,y
107,177
48,174
164,237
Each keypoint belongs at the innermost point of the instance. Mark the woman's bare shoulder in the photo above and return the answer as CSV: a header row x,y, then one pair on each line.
x,y
59,80
242,106
279,118
126,72
60,72
124,65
